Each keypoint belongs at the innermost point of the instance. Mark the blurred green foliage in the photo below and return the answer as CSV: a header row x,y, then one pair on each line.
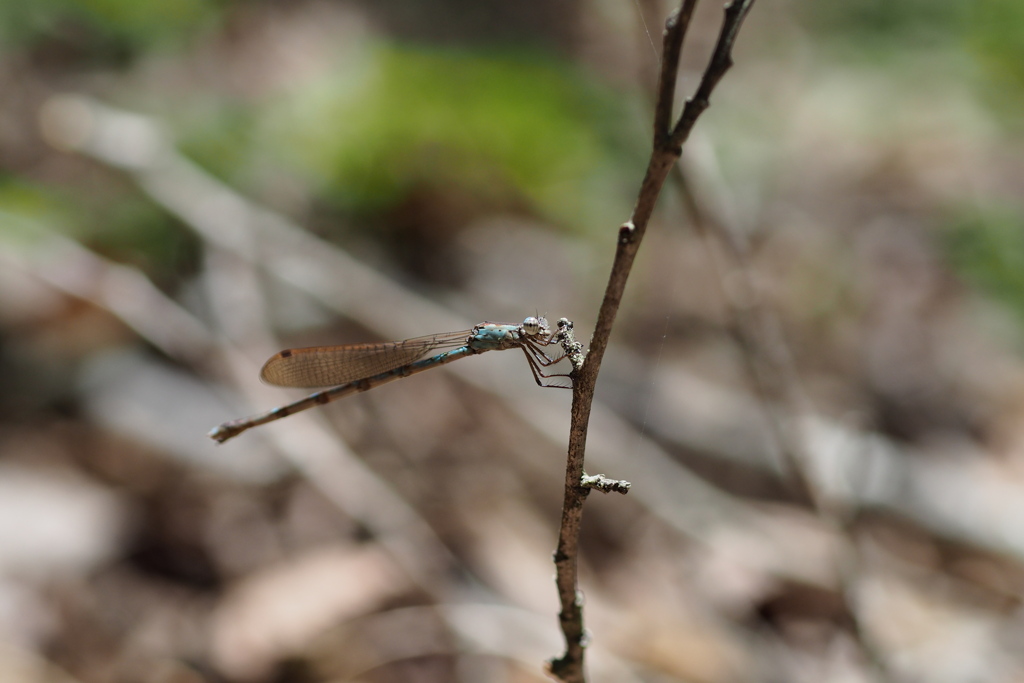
x,y
882,29
219,136
25,207
512,127
103,28
986,246
996,38
982,40
493,125
135,232
121,225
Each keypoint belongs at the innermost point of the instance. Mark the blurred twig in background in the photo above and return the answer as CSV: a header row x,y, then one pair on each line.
x,y
772,375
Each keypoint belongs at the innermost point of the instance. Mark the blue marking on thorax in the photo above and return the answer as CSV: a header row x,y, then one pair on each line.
x,y
493,337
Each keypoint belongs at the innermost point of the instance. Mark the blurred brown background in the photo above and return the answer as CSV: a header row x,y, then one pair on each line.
x,y
188,187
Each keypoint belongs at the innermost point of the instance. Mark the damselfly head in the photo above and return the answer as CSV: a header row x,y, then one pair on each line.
x,y
531,326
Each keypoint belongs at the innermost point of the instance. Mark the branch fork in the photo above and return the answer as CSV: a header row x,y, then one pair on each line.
x,y
667,147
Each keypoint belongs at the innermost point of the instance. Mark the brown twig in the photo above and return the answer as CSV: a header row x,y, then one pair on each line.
x,y
667,147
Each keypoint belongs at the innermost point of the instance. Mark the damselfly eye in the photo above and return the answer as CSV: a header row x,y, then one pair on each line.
x,y
531,326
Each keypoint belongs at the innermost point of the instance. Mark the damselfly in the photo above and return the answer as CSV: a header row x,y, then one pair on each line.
x,y
358,367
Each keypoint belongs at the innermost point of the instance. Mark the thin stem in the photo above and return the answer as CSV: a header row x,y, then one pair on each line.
x,y
721,61
672,47
665,153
